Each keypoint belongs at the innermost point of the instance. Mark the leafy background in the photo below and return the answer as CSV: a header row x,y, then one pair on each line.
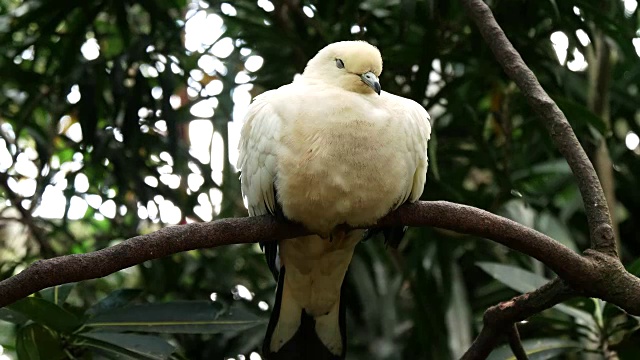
x,y
119,117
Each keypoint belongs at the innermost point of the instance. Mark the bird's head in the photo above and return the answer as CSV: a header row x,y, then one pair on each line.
x,y
352,65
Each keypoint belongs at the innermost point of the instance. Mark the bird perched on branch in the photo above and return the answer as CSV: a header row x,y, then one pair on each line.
x,y
327,150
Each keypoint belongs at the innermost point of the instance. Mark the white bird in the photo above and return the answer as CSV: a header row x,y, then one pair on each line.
x,y
329,149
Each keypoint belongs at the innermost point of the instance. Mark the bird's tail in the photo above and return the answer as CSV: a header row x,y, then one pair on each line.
x,y
293,334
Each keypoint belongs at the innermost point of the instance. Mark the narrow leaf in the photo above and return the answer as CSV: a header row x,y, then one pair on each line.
x,y
537,349
12,316
46,313
578,114
116,299
525,281
34,341
109,350
554,228
634,268
57,294
184,317
151,346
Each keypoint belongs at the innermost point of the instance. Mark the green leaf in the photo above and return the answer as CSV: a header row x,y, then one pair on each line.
x,y
12,316
520,212
634,268
458,315
26,344
183,317
46,313
408,8
153,347
514,277
556,11
116,299
579,114
537,349
551,226
551,167
57,294
433,156
627,324
365,287
34,342
525,281
109,350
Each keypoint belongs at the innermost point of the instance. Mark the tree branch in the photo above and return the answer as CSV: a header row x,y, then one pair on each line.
x,y
166,241
600,229
595,274
500,319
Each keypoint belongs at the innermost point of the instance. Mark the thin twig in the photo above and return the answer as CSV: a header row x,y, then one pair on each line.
x,y
516,344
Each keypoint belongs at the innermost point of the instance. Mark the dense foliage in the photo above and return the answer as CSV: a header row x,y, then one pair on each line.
x,y
106,103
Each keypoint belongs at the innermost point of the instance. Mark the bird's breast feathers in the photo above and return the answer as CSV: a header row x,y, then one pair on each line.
x,y
345,157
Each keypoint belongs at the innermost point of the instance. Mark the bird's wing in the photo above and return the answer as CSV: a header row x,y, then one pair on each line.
x,y
413,121
418,130
259,143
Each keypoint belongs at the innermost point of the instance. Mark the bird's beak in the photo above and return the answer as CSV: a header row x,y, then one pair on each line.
x,y
371,80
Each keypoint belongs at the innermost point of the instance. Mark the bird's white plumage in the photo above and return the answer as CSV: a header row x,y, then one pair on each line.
x,y
336,153
334,156
260,140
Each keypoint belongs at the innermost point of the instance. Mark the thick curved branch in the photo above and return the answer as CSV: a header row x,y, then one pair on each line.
x,y
596,273
167,241
600,229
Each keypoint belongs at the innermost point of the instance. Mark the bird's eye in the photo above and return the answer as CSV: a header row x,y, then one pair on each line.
x,y
339,64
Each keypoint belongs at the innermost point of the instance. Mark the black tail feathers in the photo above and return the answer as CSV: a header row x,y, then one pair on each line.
x,y
305,344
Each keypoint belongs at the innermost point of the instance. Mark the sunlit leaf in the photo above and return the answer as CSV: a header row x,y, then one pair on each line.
x,y
518,211
185,317
459,318
551,226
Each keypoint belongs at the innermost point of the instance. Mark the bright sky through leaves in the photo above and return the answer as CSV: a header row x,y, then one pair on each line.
x,y
203,32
